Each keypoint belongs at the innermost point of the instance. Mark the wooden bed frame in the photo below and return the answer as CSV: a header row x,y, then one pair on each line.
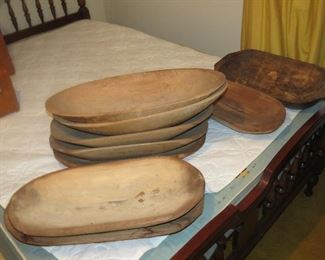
x,y
239,227
82,13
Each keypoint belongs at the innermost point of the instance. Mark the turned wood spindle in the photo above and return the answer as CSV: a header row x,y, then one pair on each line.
x,y
39,10
296,166
26,13
81,3
83,10
64,7
52,7
12,15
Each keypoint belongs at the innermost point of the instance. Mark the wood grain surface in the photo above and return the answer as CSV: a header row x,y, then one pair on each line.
x,y
181,152
293,82
74,136
146,123
130,150
142,232
134,95
99,198
248,110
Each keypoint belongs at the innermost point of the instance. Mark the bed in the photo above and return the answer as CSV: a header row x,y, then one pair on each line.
x,y
250,179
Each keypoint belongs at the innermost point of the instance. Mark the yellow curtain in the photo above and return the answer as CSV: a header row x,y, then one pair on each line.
x,y
291,28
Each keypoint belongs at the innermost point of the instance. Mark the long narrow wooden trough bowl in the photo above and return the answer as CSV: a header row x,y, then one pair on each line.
x,y
142,232
106,197
73,136
181,152
248,110
293,82
146,123
129,150
134,95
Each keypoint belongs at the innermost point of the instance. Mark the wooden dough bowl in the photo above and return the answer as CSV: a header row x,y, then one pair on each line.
x,y
293,82
73,136
99,198
134,95
142,232
129,150
146,123
182,152
248,110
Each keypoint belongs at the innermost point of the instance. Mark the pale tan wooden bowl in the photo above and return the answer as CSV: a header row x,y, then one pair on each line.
x,y
130,150
73,136
146,123
99,198
134,95
181,152
156,230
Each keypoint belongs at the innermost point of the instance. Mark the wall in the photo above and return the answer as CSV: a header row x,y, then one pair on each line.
x,y
96,8
211,26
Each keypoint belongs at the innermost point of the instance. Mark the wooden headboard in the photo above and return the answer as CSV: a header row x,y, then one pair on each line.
x,y
82,13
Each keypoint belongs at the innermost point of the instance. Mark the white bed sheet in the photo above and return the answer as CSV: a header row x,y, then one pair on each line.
x,y
89,50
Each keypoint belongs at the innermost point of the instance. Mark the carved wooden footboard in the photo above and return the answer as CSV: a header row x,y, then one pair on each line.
x,y
239,227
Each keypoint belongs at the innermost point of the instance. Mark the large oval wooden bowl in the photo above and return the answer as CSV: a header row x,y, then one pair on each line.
x,y
134,95
106,197
146,123
248,110
129,150
142,232
181,152
291,81
73,136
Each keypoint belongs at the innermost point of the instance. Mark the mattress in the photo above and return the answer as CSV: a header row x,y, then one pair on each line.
x,y
89,50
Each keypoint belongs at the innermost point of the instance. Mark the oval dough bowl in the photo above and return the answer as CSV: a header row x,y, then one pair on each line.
x,y
248,110
134,95
181,152
146,123
293,82
130,150
73,136
100,198
142,232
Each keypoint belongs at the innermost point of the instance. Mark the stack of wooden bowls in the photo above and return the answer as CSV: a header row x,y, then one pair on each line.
x,y
151,113
106,202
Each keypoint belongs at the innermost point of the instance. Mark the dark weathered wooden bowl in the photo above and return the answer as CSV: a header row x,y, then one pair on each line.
x,y
293,82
